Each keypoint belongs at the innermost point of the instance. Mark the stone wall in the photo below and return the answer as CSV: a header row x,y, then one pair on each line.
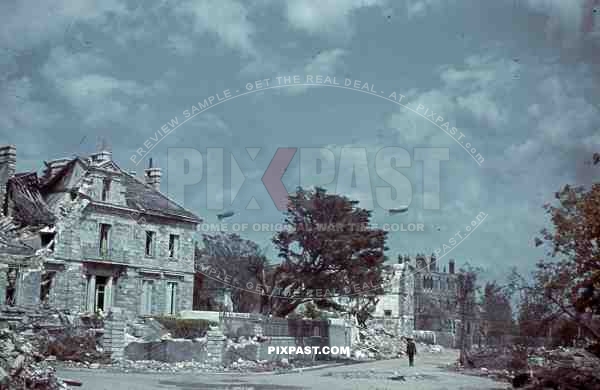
x,y
435,297
215,346
396,308
128,293
3,283
28,287
425,336
168,351
68,288
128,240
340,333
114,334
216,349
210,349
78,241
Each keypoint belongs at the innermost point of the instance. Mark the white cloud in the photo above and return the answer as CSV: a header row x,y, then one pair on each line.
x,y
324,64
19,109
208,123
564,17
181,44
84,80
27,23
325,16
483,107
227,19
417,8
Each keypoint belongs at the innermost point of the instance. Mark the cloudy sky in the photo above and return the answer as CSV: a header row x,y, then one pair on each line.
x,y
519,78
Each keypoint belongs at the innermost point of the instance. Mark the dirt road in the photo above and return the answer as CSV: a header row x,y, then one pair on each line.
x,y
426,375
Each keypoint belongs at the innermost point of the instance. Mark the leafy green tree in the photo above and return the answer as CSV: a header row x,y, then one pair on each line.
x,y
497,318
328,250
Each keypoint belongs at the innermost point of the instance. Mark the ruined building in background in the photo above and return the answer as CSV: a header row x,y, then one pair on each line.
x,y
107,238
396,307
436,295
421,297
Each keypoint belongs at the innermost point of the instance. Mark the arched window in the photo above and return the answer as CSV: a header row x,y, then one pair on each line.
x,y
316,331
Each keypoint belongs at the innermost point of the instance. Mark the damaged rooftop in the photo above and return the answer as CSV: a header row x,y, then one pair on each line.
x,y
95,232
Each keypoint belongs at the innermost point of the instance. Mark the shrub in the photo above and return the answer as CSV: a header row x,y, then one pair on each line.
x,y
185,329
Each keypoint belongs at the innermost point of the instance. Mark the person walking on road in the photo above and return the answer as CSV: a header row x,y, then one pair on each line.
x,y
411,351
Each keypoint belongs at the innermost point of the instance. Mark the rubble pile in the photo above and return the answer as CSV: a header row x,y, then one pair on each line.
x,y
241,355
156,366
429,348
283,364
22,367
55,334
73,347
538,369
242,348
508,358
377,343
565,369
240,365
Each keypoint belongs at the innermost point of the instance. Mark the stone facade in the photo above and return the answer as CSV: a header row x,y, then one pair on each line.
x,y
117,242
396,307
421,297
113,338
127,262
436,296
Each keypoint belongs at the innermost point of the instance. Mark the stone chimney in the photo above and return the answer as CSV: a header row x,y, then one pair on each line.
x,y
421,262
432,263
103,153
153,175
101,156
8,166
451,266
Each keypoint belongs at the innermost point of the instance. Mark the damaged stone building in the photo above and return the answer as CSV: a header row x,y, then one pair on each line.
x,y
103,238
420,296
396,307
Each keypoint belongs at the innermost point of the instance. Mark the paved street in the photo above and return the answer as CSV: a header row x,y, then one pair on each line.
x,y
365,376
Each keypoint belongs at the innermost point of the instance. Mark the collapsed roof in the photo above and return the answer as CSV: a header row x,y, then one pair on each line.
x,y
139,195
28,206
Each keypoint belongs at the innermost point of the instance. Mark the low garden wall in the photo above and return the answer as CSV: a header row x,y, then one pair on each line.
x,y
243,336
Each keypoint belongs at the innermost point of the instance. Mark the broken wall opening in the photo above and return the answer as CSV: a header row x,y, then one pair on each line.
x,y
47,279
48,239
12,277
